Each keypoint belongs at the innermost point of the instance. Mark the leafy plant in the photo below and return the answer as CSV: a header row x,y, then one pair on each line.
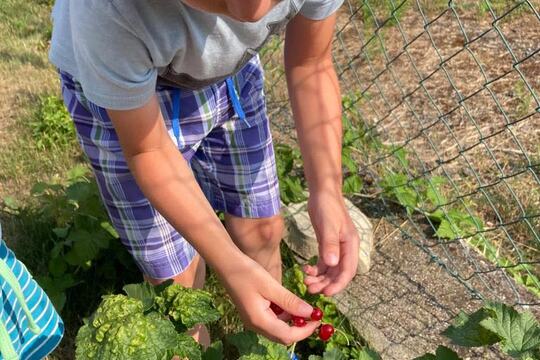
x,y
251,346
81,235
518,334
148,323
425,195
442,353
291,183
186,307
52,127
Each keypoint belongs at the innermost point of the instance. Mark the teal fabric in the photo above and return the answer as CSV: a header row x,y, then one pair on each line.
x,y
30,322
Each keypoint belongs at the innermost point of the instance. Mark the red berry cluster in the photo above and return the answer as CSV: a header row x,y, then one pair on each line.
x,y
325,330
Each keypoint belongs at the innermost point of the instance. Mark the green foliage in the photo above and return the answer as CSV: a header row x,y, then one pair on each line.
x,y
442,353
145,324
52,127
291,183
457,224
143,292
251,346
426,195
365,354
333,354
467,330
214,351
120,330
81,245
187,307
517,333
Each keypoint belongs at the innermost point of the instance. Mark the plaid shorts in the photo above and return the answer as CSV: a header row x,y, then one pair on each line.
x,y
231,158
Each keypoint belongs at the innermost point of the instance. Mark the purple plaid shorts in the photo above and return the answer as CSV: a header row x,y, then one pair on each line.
x,y
231,158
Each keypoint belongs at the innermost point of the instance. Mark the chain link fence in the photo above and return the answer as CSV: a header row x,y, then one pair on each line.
x,y
442,119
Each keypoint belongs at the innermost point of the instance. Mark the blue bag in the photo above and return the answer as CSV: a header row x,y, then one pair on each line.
x,y
30,327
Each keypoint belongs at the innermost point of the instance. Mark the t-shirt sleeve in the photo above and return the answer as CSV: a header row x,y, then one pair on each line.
x,y
319,9
114,66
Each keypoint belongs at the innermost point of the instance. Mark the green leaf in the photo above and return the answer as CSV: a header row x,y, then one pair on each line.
x,y
348,161
61,232
109,228
79,191
401,155
254,347
186,306
39,188
58,298
186,348
246,342
446,230
292,188
367,354
467,330
274,351
214,351
314,357
143,292
442,353
433,191
352,184
57,266
55,288
11,203
83,249
57,249
333,354
77,172
407,197
519,332
293,279
120,330
436,216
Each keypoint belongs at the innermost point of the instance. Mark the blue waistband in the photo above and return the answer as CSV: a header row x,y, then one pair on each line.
x,y
235,100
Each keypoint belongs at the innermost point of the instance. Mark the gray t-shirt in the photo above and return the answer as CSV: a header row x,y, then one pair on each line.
x,y
119,49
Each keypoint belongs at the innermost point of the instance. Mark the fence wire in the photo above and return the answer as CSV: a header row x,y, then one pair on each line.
x,y
443,100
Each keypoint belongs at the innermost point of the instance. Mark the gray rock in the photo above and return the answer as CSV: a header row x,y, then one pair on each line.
x,y
302,240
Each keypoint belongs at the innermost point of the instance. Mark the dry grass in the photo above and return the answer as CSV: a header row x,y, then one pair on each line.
x,y
25,76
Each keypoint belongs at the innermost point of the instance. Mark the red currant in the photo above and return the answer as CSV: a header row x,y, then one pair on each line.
x,y
299,321
325,332
276,309
317,314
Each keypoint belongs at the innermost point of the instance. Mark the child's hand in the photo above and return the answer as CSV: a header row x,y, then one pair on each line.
x,y
338,245
252,289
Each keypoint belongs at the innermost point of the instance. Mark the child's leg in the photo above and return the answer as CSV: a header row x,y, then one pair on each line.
x,y
259,239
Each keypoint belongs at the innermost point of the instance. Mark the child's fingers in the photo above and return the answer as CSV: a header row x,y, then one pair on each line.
x,y
281,332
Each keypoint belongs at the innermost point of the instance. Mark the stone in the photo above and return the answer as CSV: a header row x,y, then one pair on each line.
x,y
302,240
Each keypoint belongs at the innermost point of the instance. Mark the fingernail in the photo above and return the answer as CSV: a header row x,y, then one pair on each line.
x,y
332,259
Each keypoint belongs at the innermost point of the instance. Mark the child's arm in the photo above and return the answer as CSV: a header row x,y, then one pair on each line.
x,y
316,103
166,180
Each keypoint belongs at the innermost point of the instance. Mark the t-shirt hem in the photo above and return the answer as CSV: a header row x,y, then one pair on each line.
x,y
60,62
323,11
